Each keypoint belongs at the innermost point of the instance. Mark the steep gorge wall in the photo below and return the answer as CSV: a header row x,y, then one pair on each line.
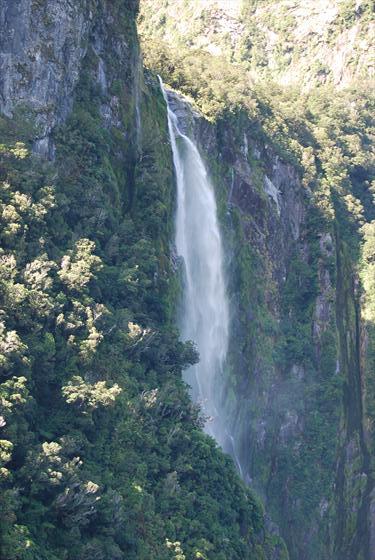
x,y
294,393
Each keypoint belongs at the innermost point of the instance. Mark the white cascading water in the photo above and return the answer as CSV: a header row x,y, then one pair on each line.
x,y
204,315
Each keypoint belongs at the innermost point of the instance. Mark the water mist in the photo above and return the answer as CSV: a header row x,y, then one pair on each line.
x,y
204,314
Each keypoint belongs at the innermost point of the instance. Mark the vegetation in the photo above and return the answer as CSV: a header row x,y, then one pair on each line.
x,y
102,452
290,42
326,134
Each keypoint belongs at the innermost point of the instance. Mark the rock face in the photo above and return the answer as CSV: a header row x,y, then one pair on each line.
x,y
42,48
293,42
281,399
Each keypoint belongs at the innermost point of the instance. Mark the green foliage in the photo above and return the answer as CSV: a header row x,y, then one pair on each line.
x,y
102,451
200,76
326,134
78,268
368,271
89,396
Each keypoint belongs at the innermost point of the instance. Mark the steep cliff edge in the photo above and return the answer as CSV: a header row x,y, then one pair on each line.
x,y
102,453
43,48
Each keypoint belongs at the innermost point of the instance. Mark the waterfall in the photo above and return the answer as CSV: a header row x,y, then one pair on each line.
x,y
203,316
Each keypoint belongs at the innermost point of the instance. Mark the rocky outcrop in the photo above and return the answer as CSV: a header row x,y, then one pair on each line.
x,y
41,50
43,45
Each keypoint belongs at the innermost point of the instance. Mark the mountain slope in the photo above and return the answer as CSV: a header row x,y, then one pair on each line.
x,y
102,452
290,41
294,169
